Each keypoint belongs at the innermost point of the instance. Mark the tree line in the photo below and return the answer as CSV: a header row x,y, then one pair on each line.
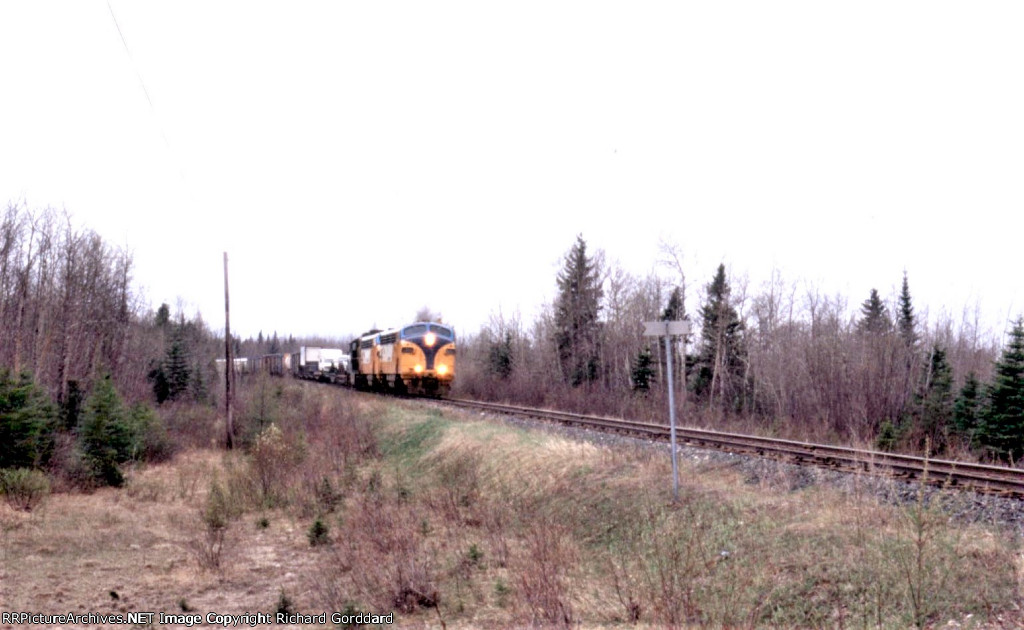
x,y
776,360
82,360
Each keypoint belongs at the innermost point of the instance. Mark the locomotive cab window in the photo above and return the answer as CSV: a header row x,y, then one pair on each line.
x,y
413,331
444,332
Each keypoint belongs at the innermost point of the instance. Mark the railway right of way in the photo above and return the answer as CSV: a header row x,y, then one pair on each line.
x,y
980,478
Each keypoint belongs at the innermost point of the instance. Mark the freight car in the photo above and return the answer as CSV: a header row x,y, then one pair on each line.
x,y
414,359
275,364
320,364
241,365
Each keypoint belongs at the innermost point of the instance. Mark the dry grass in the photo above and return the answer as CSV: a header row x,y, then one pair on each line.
x,y
77,551
455,522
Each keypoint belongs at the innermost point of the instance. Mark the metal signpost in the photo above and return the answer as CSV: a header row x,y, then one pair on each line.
x,y
667,330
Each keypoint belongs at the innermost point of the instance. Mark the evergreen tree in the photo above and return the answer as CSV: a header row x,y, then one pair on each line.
x,y
275,346
642,374
500,356
967,408
675,310
148,436
197,388
163,316
105,434
936,402
158,377
71,406
722,353
174,376
176,366
27,423
906,322
577,307
1002,426
874,316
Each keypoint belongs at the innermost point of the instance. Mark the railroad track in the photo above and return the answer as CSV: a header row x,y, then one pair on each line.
x,y
1007,482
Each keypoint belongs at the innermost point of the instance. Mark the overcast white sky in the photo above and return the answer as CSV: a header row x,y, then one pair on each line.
x,y
361,160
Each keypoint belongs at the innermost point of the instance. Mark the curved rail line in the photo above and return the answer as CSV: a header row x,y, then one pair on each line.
x,y
1007,482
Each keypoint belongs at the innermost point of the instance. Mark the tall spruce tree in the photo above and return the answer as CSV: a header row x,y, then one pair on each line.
x,y
1002,426
874,316
177,366
906,328
577,307
722,353
967,408
173,377
163,316
906,322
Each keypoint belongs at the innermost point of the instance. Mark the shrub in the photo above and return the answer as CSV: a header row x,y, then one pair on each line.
x,y
260,408
215,516
285,605
217,511
148,435
544,581
318,534
24,489
69,466
384,559
274,459
888,435
327,497
193,425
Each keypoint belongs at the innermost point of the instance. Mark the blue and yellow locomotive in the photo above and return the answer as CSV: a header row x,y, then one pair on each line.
x,y
414,359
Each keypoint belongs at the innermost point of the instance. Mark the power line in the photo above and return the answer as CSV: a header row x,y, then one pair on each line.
x,y
135,66
145,92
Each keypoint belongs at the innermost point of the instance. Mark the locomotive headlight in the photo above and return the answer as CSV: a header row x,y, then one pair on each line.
x,y
418,368
429,338
442,369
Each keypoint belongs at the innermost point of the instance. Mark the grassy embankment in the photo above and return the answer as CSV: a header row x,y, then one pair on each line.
x,y
448,519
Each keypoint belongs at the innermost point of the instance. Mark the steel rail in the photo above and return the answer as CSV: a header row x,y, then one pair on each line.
x,y
982,478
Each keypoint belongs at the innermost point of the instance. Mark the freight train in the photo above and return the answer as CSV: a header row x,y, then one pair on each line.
x,y
417,359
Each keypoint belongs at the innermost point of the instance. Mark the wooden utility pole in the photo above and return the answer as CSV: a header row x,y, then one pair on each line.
x,y
229,363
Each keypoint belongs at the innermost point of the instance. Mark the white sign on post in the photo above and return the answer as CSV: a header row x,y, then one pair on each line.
x,y
667,330
655,329
660,329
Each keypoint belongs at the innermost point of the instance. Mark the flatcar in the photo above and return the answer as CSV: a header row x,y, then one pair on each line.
x,y
415,359
328,365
